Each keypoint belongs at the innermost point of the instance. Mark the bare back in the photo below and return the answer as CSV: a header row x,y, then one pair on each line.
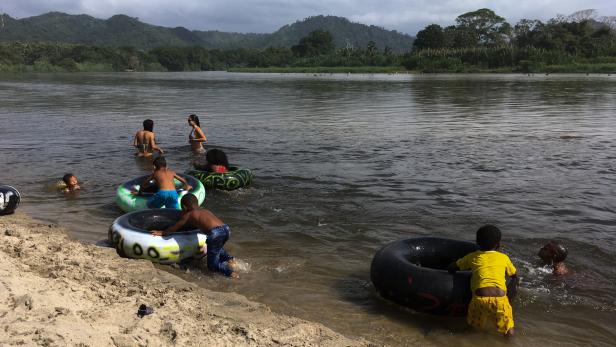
x,y
204,219
144,141
164,179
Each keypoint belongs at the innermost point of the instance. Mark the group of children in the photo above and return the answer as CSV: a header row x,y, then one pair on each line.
x,y
218,260
489,307
145,140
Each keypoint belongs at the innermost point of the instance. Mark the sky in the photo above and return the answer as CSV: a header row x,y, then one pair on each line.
x,y
266,16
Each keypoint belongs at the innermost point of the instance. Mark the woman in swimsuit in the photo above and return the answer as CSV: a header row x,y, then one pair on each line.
x,y
196,137
144,140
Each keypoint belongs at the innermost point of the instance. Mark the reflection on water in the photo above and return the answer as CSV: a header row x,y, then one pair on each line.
x,y
345,164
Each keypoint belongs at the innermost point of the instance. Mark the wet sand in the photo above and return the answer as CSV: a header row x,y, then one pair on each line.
x,y
61,292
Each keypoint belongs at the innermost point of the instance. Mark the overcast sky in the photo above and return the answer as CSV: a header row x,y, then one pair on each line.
x,y
407,16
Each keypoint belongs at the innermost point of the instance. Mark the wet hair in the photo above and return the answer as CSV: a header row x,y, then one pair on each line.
x,y
160,162
217,157
67,177
189,200
488,237
194,118
148,125
559,252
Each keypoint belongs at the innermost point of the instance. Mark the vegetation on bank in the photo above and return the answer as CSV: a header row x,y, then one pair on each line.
x,y
581,42
481,41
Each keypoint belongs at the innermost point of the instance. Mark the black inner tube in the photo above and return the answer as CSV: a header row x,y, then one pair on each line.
x,y
436,253
413,272
157,219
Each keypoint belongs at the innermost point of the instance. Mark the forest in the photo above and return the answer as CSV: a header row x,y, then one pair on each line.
x,y
479,41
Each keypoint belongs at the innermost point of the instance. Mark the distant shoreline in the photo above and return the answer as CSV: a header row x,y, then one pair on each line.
x,y
607,68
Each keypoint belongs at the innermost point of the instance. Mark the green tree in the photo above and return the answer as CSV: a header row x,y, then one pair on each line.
x,y
318,42
431,36
488,28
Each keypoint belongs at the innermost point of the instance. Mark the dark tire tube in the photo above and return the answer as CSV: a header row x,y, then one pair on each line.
x,y
412,272
9,199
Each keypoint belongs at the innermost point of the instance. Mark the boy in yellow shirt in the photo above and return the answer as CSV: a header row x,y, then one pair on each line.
x,y
489,306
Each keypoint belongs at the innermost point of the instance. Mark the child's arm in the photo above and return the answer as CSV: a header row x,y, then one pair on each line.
x,y
135,140
186,185
453,267
174,228
142,184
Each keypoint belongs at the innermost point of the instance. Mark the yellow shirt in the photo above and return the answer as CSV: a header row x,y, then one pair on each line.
x,y
489,269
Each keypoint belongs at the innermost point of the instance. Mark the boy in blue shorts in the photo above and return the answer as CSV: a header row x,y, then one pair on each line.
x,y
164,178
489,307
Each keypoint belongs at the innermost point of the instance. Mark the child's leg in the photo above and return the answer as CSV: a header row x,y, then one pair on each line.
x,y
215,264
217,257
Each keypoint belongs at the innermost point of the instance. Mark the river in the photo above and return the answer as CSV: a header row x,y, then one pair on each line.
x,y
345,164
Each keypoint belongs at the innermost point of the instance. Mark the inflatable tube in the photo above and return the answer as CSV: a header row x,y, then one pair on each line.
x,y
413,273
9,199
129,202
130,235
234,179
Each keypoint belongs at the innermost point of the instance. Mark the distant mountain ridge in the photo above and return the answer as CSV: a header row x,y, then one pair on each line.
x,y
121,30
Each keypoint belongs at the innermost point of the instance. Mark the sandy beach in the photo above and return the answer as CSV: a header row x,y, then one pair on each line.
x,y
62,292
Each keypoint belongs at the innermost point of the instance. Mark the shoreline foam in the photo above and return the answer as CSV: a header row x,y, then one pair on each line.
x,y
62,292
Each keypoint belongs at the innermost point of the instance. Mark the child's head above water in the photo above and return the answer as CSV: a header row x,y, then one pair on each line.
x,y
194,119
488,237
148,125
189,202
216,157
160,162
70,180
553,252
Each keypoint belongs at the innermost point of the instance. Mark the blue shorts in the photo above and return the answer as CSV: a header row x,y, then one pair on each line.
x,y
167,198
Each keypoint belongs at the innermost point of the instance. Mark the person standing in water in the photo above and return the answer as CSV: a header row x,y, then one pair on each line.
x,y
196,137
144,140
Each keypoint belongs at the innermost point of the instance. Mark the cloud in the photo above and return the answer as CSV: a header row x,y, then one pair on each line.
x,y
268,15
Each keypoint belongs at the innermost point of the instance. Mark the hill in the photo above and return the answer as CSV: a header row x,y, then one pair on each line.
x,y
121,30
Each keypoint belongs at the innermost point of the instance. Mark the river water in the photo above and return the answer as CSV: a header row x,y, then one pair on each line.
x,y
345,164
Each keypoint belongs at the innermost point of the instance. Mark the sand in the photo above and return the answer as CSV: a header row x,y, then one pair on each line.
x,y
61,292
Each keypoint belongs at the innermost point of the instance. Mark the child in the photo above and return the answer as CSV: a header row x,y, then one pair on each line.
x,y
196,138
164,178
217,161
553,253
71,183
144,140
489,305
217,232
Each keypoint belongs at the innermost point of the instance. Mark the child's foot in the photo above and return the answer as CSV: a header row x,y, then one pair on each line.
x,y
509,333
232,264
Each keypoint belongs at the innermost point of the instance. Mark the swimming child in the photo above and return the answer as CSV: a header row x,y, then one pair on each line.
x,y
489,306
553,253
164,178
217,161
71,183
196,138
218,260
144,140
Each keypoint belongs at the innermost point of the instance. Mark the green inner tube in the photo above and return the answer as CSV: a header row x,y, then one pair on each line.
x,y
234,179
129,202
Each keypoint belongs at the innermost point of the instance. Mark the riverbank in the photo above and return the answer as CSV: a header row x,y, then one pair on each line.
x,y
323,69
61,292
